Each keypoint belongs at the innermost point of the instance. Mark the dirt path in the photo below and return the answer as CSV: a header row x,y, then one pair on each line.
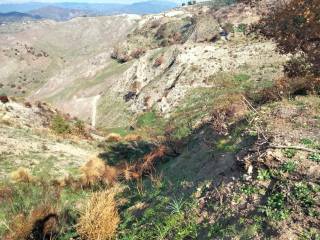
x,y
94,110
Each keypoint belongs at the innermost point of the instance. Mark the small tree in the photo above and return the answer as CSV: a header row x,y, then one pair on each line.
x,y
295,26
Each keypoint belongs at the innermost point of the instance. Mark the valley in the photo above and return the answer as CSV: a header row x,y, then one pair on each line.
x,y
184,124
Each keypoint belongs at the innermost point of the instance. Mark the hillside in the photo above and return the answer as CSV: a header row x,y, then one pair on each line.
x,y
187,124
58,14
70,74
17,17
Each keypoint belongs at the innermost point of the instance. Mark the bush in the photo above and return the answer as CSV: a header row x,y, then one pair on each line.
x,y
95,171
294,26
59,125
100,217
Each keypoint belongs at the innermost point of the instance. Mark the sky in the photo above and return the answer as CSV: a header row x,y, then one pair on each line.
x,y
86,1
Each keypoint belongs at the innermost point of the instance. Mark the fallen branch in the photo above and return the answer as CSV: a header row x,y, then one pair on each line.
x,y
295,148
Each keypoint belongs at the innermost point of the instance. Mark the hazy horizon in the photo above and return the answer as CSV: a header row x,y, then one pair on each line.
x,y
81,1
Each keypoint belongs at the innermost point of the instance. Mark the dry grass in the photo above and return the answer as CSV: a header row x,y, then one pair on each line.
x,y
149,160
21,175
41,223
146,166
113,137
96,171
130,173
100,218
133,138
110,174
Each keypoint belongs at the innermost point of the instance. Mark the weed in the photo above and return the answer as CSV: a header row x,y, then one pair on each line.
x,y
21,175
303,194
249,190
176,205
314,157
275,208
309,143
241,28
289,167
96,171
263,175
289,153
113,137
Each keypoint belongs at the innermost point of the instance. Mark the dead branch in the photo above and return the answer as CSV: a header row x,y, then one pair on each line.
x,y
295,148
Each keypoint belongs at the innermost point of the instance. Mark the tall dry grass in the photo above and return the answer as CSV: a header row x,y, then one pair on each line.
x,y
21,175
41,223
100,218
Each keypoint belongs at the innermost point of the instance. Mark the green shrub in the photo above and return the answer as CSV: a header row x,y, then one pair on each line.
x,y
59,125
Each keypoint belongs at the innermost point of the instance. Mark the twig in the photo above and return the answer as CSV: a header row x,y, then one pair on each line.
x,y
295,147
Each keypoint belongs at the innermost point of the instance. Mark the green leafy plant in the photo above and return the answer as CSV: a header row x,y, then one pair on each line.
x,y
249,190
289,167
304,195
314,157
241,28
275,208
263,174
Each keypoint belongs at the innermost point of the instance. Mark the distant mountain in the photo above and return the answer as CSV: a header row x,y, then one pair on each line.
x,y
20,7
17,17
148,7
94,8
58,13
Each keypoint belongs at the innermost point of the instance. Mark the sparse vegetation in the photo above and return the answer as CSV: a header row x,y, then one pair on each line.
x,y
235,155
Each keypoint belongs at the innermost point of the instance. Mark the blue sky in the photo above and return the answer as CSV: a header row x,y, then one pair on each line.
x,y
87,1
